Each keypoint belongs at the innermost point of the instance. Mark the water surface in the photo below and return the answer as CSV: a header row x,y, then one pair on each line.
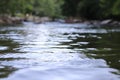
x,y
59,52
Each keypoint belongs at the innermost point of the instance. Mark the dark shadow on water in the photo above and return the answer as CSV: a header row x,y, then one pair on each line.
x,y
98,45
5,71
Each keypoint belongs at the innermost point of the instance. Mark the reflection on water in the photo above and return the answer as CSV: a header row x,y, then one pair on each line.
x,y
59,51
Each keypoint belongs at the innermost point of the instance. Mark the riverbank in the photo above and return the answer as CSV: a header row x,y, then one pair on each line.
x,y
37,19
8,20
107,22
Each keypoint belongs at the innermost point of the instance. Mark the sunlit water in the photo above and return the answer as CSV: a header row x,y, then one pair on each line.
x,y
55,51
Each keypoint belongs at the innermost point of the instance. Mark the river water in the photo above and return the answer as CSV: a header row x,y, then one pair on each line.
x,y
57,51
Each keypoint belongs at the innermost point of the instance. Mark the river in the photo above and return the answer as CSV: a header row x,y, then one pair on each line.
x,y
58,51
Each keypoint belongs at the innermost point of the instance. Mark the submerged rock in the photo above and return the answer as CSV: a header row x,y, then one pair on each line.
x,y
106,21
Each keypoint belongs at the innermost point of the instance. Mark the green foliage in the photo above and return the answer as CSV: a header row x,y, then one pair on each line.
x,y
111,8
47,7
116,8
82,8
92,9
70,7
37,7
11,7
89,9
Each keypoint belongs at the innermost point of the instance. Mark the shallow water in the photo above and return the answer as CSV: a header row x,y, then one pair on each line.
x,y
55,51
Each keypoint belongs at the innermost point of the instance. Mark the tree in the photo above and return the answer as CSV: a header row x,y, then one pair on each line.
x,y
13,6
116,9
70,7
90,9
82,8
47,7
